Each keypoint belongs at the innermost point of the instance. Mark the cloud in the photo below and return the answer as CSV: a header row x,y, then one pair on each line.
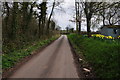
x,y
62,17
63,20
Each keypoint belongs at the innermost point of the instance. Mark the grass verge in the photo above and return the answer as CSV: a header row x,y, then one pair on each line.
x,y
9,60
103,55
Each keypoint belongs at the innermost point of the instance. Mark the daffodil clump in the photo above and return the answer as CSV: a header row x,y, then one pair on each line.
x,y
118,37
103,36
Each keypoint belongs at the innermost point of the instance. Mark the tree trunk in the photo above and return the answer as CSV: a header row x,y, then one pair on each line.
x,y
76,8
43,16
39,26
25,16
88,26
88,12
7,16
103,14
29,17
14,20
103,20
48,24
80,15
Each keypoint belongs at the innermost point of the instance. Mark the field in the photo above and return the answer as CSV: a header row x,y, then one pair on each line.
x,y
102,54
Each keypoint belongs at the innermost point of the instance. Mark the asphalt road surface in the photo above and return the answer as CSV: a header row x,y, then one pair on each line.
x,y
55,61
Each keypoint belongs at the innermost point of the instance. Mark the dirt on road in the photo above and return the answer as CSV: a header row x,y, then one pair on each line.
x,y
55,61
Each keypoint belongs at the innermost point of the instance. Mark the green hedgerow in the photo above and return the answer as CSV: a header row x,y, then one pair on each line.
x,y
103,55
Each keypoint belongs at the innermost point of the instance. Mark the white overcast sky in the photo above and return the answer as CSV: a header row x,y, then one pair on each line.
x,y
65,14
62,16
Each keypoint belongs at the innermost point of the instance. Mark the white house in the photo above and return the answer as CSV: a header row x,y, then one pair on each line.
x,y
109,30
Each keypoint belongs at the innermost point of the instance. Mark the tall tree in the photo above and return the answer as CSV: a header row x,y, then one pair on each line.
x,y
78,16
25,16
43,16
76,8
112,14
89,9
109,12
48,24
14,19
89,13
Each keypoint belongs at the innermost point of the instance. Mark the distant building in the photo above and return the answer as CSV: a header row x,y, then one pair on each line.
x,y
109,30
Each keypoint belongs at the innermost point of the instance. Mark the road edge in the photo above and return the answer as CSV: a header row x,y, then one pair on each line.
x,y
76,60
10,71
79,66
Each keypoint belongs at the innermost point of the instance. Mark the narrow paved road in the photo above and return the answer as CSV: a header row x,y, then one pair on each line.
x,y
55,61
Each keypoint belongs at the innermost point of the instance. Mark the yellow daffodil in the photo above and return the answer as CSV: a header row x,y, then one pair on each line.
x,y
102,36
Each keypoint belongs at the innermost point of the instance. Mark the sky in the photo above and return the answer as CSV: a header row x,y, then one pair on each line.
x,y
62,16
64,13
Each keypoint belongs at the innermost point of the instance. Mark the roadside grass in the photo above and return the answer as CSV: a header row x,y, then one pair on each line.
x,y
103,55
9,60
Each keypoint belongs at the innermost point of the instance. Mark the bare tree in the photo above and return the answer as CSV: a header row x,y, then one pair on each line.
x,y
109,12
78,9
112,14
48,24
90,9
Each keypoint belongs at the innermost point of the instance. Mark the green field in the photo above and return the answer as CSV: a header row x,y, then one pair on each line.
x,y
102,54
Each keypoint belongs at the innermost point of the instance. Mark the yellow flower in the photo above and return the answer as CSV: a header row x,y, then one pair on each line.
x,y
109,37
118,36
102,36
